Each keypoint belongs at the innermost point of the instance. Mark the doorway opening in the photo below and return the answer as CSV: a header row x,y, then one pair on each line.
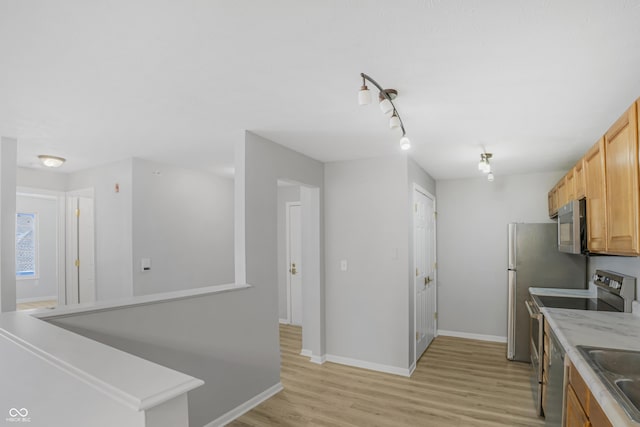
x,y
294,263
39,248
299,257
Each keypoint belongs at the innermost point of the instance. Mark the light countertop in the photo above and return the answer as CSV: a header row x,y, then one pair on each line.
x,y
561,292
598,329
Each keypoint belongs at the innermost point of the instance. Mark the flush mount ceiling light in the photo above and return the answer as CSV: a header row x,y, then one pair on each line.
x,y
484,166
386,97
51,161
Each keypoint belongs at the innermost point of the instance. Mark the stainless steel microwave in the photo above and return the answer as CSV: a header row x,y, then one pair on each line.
x,y
572,227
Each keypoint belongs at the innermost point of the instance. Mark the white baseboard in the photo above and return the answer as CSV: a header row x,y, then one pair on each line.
x,y
37,299
368,365
306,353
283,321
480,337
412,368
318,359
240,410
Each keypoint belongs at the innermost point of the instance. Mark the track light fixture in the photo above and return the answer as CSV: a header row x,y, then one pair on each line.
x,y
484,166
385,97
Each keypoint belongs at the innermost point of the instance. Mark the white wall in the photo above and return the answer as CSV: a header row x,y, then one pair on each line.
x,y
183,222
42,179
472,246
8,159
366,221
46,285
285,194
113,225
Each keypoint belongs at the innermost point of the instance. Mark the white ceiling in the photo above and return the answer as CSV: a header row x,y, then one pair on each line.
x,y
535,82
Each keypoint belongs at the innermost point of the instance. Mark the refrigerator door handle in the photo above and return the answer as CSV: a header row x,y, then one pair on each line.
x,y
512,246
511,326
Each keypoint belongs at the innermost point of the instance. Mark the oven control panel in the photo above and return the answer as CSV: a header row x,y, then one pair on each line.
x,y
608,281
611,283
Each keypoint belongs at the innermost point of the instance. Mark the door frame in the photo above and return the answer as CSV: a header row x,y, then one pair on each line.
x,y
288,254
418,188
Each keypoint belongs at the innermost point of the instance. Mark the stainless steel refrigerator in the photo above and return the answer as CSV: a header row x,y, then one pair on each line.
x,y
534,261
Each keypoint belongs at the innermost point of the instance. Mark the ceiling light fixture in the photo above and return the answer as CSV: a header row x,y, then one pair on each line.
x,y
51,161
484,166
386,97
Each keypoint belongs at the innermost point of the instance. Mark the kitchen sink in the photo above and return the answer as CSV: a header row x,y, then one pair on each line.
x,y
620,372
619,362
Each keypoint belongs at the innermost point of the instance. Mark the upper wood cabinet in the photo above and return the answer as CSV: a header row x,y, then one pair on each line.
x,y
621,148
594,170
561,189
608,176
570,184
579,180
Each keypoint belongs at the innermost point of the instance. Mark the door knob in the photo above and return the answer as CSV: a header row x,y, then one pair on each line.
x,y
427,280
293,270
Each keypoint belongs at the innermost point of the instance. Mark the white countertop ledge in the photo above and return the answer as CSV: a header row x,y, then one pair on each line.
x,y
128,379
44,313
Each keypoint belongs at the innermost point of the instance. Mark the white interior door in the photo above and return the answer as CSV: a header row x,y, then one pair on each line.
x,y
294,268
425,280
80,242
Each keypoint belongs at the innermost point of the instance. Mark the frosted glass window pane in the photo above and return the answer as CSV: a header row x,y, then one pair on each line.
x,y
26,244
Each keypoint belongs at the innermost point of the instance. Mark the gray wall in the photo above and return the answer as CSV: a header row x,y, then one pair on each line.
x,y
46,285
217,338
366,225
472,246
285,195
183,222
113,225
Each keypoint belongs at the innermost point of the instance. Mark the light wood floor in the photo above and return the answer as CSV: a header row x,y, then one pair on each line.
x,y
457,382
37,304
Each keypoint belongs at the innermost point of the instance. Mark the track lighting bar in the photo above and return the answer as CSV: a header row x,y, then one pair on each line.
x,y
387,106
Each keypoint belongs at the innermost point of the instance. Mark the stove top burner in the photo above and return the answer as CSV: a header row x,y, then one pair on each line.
x,y
592,304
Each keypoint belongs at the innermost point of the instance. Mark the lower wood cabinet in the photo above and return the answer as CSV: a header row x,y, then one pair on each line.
x,y
575,416
581,408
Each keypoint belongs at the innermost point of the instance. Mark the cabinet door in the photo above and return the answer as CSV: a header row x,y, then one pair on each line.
x,y
562,192
594,170
621,171
578,180
574,414
570,184
550,197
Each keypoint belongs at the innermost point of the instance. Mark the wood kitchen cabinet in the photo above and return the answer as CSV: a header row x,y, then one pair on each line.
x,y
553,202
621,166
581,408
608,176
578,180
561,189
570,186
594,170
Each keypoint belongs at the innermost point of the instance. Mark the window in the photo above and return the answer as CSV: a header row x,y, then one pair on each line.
x,y
26,245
